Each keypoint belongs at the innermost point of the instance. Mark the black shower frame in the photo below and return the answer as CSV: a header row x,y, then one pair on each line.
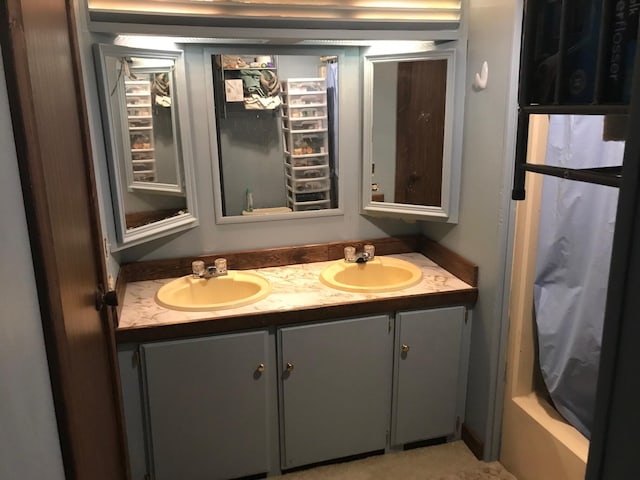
x,y
610,176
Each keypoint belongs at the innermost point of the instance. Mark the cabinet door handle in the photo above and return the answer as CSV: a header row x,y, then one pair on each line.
x,y
289,367
405,348
261,368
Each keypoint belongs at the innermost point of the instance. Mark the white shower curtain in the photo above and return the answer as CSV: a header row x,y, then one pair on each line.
x,y
574,251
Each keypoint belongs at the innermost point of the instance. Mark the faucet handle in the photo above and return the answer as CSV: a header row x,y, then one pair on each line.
x,y
370,250
349,254
221,266
197,267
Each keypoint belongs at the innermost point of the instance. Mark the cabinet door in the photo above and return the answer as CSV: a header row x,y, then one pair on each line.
x,y
336,394
207,406
428,363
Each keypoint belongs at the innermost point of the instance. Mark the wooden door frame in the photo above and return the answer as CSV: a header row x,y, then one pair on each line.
x,y
19,54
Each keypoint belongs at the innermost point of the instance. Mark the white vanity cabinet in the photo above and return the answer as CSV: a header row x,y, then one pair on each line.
x,y
335,389
430,371
208,406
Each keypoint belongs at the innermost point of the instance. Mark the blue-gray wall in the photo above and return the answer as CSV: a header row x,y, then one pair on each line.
x,y
384,128
29,446
484,228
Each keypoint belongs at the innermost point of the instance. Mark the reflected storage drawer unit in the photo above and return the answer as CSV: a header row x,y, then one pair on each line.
x,y
306,145
140,127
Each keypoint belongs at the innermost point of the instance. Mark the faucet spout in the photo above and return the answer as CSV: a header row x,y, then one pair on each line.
x,y
362,257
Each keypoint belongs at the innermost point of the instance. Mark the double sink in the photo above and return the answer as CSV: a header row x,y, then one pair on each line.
x,y
239,288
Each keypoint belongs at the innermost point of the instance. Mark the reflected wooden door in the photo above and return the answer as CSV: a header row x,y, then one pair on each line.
x,y
48,113
420,113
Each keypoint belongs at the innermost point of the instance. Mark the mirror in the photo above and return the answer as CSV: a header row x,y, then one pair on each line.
x,y
149,161
274,116
410,161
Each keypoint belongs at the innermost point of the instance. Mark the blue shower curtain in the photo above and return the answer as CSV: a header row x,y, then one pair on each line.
x,y
574,251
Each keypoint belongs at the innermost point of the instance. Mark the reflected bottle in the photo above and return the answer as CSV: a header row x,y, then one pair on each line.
x,y
249,200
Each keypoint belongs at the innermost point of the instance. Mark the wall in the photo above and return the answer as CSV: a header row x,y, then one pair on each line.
x,y
384,128
29,446
484,229
251,145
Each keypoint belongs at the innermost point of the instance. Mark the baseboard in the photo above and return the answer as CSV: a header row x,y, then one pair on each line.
x,y
473,442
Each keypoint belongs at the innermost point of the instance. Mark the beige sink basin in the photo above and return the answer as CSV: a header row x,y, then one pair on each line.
x,y
382,274
235,289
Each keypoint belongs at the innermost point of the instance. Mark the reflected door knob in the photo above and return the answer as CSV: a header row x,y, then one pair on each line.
x,y
405,348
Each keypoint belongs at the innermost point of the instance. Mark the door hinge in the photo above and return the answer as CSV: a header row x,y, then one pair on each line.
x,y
135,359
466,316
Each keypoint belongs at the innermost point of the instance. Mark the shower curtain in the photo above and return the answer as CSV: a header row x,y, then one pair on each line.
x,y
574,251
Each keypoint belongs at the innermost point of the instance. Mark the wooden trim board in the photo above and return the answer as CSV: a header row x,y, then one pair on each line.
x,y
472,441
275,257
450,261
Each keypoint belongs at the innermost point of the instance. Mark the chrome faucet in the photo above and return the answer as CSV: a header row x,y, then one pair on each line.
x,y
363,257
351,256
218,269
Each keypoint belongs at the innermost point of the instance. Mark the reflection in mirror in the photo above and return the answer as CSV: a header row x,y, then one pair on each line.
x,y
408,132
276,120
147,157
415,92
150,124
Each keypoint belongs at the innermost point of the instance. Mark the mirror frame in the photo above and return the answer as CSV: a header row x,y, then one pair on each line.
x,y
127,237
275,49
452,146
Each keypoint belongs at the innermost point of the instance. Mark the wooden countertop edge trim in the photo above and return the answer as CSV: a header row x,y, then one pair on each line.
x,y
280,318
450,261
276,257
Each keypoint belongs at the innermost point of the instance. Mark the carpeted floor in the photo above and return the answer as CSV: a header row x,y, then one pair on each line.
x,y
451,461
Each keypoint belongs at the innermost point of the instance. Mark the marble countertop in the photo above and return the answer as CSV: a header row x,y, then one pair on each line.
x,y
294,287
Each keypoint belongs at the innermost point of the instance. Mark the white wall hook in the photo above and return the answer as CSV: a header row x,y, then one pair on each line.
x,y
481,79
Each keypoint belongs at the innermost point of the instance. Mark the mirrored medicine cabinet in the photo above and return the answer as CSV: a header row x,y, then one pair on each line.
x,y
280,159
143,101
274,131
412,133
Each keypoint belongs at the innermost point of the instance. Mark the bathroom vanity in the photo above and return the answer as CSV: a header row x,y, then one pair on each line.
x,y
306,375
